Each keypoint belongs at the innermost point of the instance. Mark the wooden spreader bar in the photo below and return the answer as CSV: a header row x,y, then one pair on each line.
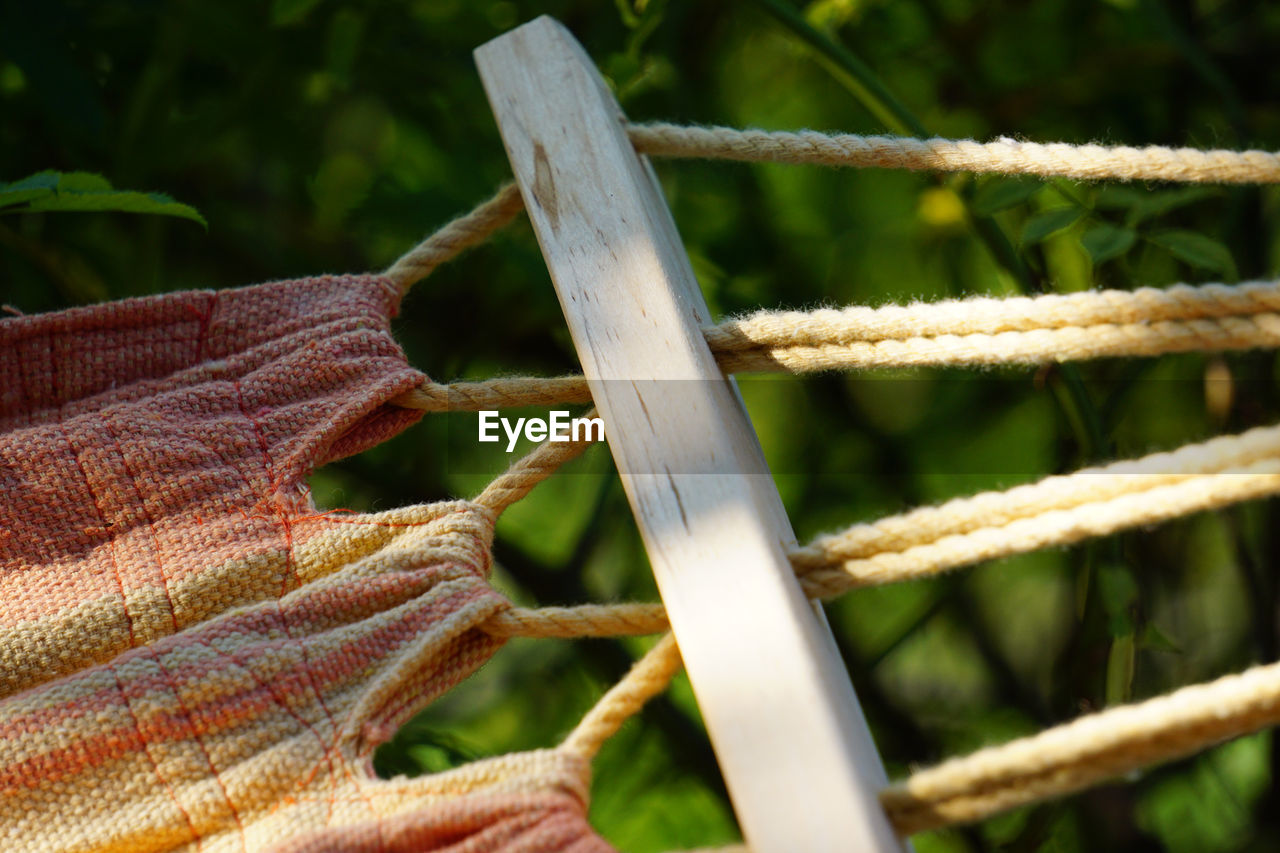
x,y
786,727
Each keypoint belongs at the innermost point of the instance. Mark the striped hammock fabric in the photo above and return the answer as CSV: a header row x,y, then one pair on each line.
x,y
192,657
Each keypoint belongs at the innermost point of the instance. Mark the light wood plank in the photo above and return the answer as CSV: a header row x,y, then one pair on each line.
x,y
791,740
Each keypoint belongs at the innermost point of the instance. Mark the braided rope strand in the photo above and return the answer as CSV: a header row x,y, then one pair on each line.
x,y
996,509
528,471
649,677
1041,346
1053,528
1071,757
584,620
1056,159
989,316
968,332
1007,156
1055,511
455,237
499,393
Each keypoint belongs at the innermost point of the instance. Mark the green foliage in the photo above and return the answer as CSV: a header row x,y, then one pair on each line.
x,y
287,12
1105,242
1002,194
330,136
85,192
1198,250
1205,809
1046,223
1140,205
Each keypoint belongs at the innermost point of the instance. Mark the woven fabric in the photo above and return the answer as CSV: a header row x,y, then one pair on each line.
x,y
191,655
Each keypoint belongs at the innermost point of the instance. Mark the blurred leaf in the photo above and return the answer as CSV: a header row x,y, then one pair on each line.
x,y
1142,205
87,192
828,16
1197,250
1119,593
1156,640
1119,197
82,182
287,12
1046,223
34,186
1160,203
346,32
1106,241
620,68
1002,194
118,201
1206,805
340,186
629,18
35,38
1120,668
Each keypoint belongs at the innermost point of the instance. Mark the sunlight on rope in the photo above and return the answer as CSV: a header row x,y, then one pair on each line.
x,y
1055,511
980,331
1094,748
1006,156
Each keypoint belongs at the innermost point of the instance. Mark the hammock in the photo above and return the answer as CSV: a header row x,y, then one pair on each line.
x,y
193,657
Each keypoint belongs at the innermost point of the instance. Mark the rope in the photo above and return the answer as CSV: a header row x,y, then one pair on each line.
x,y
1077,343
496,394
527,472
1056,159
454,238
1053,512
1063,491
1092,749
584,620
649,677
987,315
1055,762
1008,156
1041,346
1059,527
986,331
1071,757
978,331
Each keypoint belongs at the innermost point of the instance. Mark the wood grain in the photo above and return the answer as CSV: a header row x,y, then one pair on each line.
x,y
791,740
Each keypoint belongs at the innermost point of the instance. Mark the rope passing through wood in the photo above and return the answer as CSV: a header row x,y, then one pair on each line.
x,y
980,331
1055,511
1005,156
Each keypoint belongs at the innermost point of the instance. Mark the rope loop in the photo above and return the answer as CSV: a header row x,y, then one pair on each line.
x,y
972,332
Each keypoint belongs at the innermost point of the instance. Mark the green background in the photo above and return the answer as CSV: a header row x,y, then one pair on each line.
x,y
323,136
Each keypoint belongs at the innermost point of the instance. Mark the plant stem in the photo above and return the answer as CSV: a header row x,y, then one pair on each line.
x,y
874,95
882,103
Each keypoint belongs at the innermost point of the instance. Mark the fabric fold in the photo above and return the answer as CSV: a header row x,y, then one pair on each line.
x,y
192,656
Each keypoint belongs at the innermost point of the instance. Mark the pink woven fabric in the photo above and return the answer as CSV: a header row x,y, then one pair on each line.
x,y
193,657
